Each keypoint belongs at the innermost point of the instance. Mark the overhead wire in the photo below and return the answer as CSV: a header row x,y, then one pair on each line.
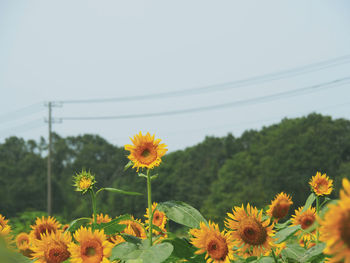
x,y
262,99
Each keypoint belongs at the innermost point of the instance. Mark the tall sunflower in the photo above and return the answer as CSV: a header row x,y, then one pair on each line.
x,y
217,245
44,226
335,227
305,219
84,181
146,152
93,247
279,207
159,218
52,248
321,184
252,235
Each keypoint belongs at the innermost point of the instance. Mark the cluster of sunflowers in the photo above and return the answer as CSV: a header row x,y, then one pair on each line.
x,y
313,234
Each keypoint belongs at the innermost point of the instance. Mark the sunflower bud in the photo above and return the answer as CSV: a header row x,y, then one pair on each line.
x,y
84,181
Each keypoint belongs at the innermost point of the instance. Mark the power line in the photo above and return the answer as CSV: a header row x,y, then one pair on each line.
x,y
224,86
261,99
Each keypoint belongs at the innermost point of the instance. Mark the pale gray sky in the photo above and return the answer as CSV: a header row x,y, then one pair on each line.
x,y
71,50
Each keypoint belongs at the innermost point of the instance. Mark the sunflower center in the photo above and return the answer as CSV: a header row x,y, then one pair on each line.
x,y
57,254
44,229
92,251
85,183
157,218
252,232
281,209
145,153
307,221
217,248
345,230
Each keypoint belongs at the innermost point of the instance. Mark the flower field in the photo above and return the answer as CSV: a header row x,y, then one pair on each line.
x,y
319,231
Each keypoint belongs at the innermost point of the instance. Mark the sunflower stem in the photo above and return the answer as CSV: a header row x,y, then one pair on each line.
x,y
150,212
317,213
274,256
93,199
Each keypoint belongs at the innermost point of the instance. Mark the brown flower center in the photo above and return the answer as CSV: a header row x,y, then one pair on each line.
x,y
147,153
217,248
345,230
91,251
44,229
281,209
158,218
57,254
252,232
306,221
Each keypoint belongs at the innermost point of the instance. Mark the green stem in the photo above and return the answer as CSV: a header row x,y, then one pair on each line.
x,y
274,256
150,212
93,199
317,213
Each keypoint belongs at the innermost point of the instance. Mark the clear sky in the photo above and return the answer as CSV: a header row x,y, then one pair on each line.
x,y
77,50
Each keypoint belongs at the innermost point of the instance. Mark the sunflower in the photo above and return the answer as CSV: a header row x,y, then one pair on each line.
x,y
23,244
103,218
146,152
218,245
335,227
116,239
52,248
44,226
279,206
305,219
93,247
5,228
159,219
251,234
306,242
134,227
321,184
65,227
84,181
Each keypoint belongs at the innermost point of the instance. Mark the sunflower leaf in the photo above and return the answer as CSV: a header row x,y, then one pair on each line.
x,y
312,253
119,191
309,201
293,251
114,226
128,165
182,213
75,224
284,234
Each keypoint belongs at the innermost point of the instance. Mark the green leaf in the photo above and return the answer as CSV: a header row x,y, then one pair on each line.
x,y
130,252
284,234
293,251
9,256
115,190
283,225
131,239
182,213
312,253
77,223
182,249
309,201
263,260
113,227
128,165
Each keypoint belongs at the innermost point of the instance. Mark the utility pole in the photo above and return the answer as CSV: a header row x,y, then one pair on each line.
x,y
50,120
49,189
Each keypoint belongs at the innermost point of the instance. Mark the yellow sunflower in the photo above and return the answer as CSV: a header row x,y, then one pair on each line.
x,y
93,247
305,220
251,234
101,218
321,184
335,227
84,181
5,228
218,245
279,207
134,227
44,226
23,244
146,152
52,248
159,219
116,239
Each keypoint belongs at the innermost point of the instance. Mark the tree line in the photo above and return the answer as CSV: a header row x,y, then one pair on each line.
x,y
212,176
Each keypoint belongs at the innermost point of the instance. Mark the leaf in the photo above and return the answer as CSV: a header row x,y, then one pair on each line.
x,y
312,253
128,165
77,223
284,234
130,252
309,201
119,191
264,260
182,213
283,225
182,249
9,256
293,251
114,227
131,239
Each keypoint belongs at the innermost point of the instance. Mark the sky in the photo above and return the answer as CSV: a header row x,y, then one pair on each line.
x,y
170,56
